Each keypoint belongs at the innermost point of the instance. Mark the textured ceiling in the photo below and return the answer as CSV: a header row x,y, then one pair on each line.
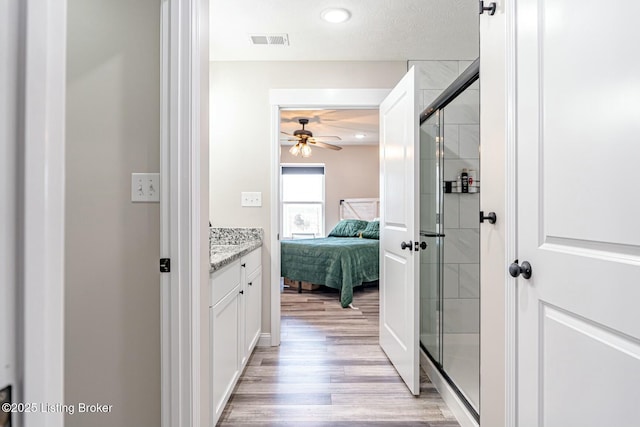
x,y
342,123
393,30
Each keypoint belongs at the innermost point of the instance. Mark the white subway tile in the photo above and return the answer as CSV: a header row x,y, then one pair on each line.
x,y
428,141
469,280
428,96
435,74
451,144
451,280
461,316
451,212
428,281
469,141
462,246
470,210
465,109
463,65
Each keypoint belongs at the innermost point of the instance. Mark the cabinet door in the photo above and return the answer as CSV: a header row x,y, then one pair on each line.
x,y
225,344
253,311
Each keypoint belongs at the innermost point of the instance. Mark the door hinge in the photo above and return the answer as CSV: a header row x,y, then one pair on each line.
x,y
165,265
491,8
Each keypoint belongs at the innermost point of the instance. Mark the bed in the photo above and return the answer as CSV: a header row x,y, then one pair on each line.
x,y
340,261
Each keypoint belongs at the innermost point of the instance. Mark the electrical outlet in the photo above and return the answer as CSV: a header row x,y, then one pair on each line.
x,y
251,198
145,187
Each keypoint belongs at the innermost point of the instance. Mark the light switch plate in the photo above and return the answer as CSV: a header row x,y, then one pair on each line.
x,y
251,198
145,187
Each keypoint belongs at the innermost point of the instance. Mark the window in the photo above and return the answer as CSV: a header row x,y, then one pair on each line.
x,y
302,201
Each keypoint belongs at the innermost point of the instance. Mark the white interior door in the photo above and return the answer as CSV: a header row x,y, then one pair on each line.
x,y
9,135
578,351
399,216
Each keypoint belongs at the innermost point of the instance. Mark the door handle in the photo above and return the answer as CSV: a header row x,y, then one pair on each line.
x,y
525,269
491,8
420,245
405,245
242,292
491,217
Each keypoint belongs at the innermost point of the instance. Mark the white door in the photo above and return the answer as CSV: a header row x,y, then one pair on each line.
x,y
399,216
578,127
9,137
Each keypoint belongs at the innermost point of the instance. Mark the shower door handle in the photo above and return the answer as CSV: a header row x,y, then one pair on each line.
x,y
405,245
491,217
491,8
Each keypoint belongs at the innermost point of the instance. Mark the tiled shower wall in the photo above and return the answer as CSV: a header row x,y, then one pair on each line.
x,y
461,268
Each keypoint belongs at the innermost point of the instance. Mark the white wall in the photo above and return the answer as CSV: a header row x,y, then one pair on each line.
x,y
241,125
112,294
352,172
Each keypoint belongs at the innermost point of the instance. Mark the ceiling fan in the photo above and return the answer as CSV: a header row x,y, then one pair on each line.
x,y
304,138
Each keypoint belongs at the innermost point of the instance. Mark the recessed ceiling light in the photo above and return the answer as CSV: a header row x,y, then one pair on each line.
x,y
360,135
335,15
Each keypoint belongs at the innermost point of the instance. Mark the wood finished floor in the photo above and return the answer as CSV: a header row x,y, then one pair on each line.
x,y
329,371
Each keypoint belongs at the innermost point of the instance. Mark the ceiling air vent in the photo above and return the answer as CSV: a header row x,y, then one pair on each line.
x,y
269,39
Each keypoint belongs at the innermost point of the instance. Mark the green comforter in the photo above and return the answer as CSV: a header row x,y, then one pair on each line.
x,y
336,262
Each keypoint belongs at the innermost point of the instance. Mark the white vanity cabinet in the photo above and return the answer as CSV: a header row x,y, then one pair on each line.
x,y
224,316
251,303
235,323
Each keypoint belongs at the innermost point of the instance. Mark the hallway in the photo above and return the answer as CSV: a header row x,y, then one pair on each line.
x,y
329,371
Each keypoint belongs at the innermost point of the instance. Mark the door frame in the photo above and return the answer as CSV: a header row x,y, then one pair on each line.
x,y
41,181
184,211
301,99
498,333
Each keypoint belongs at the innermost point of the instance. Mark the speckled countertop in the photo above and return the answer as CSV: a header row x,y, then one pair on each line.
x,y
229,244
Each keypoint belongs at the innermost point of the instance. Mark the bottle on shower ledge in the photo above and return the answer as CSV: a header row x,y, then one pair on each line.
x,y
473,181
464,177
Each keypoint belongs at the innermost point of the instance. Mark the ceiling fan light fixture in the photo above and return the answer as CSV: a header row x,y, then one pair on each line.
x,y
305,150
295,150
335,15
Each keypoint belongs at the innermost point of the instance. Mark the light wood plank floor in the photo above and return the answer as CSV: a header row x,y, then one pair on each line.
x,y
329,371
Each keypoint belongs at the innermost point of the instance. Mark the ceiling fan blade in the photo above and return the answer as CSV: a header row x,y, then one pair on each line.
x,y
325,145
286,133
329,136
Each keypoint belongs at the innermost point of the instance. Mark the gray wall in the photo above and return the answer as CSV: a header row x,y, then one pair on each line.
x,y
112,298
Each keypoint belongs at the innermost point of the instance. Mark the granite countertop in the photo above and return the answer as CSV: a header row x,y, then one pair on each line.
x,y
229,244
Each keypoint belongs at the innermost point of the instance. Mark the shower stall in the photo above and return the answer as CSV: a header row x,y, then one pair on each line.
x,y
450,224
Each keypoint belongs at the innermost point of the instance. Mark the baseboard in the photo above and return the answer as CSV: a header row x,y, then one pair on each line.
x,y
264,340
450,397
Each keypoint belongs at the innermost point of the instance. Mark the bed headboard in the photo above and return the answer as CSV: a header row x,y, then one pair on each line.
x,y
366,209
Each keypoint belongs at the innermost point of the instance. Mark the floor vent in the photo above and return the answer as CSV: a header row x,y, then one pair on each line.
x,y
269,39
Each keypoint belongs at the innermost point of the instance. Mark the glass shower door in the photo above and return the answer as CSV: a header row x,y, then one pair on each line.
x,y
430,259
460,338
449,212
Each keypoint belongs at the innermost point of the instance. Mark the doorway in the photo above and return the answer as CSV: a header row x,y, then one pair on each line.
x,y
301,100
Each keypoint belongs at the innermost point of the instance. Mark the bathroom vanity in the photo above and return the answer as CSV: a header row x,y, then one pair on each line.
x,y
234,309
